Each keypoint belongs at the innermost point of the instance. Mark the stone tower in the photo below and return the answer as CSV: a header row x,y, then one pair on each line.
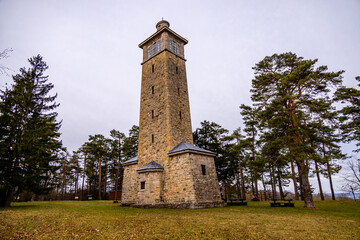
x,y
169,171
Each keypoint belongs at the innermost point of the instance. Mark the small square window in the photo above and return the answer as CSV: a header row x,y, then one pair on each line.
x,y
142,185
203,169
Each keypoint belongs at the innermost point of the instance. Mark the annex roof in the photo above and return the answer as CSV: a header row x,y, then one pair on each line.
x,y
131,161
151,166
183,146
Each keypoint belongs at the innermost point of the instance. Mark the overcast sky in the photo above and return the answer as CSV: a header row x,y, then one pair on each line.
x,y
92,51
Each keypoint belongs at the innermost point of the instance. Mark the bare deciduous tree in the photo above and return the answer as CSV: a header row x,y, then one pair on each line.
x,y
352,178
5,54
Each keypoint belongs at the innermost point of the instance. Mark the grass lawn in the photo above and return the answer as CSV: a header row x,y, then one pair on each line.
x,y
106,220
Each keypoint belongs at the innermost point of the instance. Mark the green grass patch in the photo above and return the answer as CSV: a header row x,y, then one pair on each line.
x,y
106,220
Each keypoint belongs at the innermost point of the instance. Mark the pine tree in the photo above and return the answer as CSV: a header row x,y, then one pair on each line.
x,y
116,154
289,87
251,123
97,148
131,143
213,137
241,144
350,114
28,133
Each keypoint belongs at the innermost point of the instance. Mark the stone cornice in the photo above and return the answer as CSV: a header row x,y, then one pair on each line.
x,y
191,151
150,170
167,50
130,163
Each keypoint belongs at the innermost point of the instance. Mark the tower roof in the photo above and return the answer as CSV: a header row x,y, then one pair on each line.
x,y
183,146
151,166
162,26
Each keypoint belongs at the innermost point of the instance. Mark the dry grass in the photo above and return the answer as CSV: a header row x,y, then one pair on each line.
x,y
105,220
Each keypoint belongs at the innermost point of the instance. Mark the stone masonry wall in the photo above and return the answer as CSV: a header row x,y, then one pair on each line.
x,y
153,192
164,95
179,183
185,182
206,186
129,187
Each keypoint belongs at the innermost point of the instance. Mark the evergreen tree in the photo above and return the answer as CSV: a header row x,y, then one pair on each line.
x,y
251,122
130,146
98,148
241,144
290,87
213,137
350,114
116,154
28,133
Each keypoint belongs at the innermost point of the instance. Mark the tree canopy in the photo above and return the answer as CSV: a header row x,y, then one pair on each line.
x,y
29,133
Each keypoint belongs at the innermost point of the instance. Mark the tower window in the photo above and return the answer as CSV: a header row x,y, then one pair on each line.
x,y
203,169
152,138
154,48
142,185
178,91
177,70
152,113
174,47
159,45
180,114
153,68
152,90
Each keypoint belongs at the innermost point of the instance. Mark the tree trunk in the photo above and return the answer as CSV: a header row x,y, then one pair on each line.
x,y
253,159
306,187
237,184
83,180
77,179
273,184
256,185
303,168
353,192
301,187
105,182
6,197
263,181
252,183
63,181
294,179
319,181
330,181
117,180
99,176
280,186
329,173
242,180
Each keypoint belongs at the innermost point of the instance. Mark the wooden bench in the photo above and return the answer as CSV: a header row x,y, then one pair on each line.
x,y
282,203
239,202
